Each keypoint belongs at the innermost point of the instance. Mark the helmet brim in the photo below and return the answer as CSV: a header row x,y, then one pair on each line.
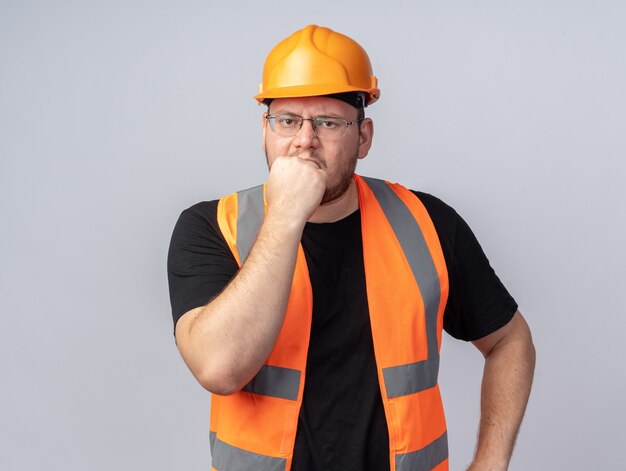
x,y
372,94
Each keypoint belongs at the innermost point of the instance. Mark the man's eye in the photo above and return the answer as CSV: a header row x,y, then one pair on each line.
x,y
328,124
286,122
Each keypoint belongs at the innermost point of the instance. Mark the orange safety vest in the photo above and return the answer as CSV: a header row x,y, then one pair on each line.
x,y
407,288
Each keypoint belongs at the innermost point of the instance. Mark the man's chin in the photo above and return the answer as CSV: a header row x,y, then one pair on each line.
x,y
333,194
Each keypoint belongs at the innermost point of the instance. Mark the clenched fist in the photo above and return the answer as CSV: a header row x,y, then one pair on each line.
x,y
295,187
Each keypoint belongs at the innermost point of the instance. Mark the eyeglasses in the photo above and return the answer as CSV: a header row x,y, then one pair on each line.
x,y
324,126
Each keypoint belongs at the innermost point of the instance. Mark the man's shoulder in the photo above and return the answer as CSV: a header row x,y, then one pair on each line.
x,y
444,217
197,220
204,210
435,204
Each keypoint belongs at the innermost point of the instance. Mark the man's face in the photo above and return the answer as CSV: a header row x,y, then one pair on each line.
x,y
337,157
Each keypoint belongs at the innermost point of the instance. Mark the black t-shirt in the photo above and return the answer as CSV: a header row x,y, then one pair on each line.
x,y
342,421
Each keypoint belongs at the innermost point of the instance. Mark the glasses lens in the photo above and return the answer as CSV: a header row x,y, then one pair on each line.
x,y
330,128
286,124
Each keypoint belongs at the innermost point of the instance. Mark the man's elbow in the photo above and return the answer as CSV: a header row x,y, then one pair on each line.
x,y
218,380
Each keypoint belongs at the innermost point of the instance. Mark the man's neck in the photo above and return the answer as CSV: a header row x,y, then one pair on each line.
x,y
338,209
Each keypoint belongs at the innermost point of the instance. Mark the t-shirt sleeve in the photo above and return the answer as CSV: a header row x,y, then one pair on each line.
x,y
478,303
199,263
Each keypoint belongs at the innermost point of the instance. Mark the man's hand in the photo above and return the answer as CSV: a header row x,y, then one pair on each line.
x,y
295,187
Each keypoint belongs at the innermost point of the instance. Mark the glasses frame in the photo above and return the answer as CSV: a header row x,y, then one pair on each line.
x,y
272,120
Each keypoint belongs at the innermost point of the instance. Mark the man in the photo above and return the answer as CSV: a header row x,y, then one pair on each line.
x,y
312,307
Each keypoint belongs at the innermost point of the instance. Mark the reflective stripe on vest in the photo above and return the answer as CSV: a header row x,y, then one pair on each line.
x,y
275,381
415,377
249,218
409,388
427,458
226,457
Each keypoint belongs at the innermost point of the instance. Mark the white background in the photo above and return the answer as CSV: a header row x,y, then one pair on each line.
x,y
117,115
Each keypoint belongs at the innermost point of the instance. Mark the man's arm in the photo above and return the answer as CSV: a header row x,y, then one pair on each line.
x,y
227,341
509,366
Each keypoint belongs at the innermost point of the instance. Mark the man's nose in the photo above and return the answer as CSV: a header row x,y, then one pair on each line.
x,y
306,136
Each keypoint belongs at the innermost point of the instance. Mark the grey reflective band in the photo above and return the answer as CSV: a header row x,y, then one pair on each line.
x,y
408,379
275,381
426,458
250,213
212,436
225,457
415,377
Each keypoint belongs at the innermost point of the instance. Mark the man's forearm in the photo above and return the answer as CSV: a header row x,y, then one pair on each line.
x,y
226,342
507,379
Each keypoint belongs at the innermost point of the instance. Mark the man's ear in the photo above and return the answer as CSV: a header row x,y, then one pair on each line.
x,y
263,130
366,134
